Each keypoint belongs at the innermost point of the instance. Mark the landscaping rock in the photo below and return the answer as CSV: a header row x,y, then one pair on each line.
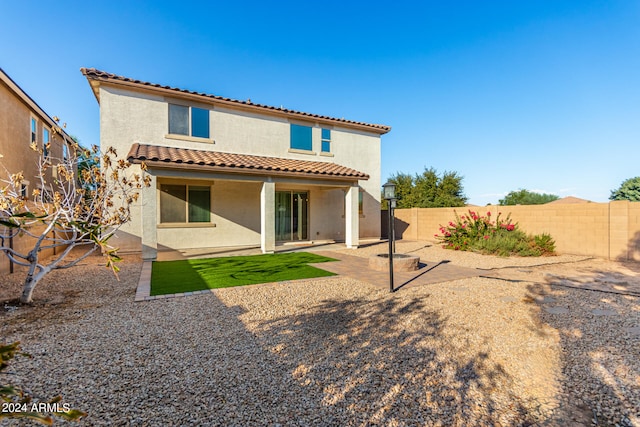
x,y
335,351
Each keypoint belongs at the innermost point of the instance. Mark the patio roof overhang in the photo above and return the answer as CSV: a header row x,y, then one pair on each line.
x,y
161,157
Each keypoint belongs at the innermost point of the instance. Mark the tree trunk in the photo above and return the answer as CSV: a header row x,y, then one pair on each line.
x,y
32,278
27,291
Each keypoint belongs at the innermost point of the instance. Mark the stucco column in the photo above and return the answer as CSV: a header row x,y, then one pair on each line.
x,y
351,217
149,213
268,217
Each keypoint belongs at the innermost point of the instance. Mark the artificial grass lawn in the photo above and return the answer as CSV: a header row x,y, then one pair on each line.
x,y
172,277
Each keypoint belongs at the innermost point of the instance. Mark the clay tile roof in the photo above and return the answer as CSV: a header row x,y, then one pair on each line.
x,y
96,76
159,156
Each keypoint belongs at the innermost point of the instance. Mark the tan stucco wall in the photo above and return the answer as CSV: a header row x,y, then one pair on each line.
x,y
127,117
15,136
17,155
235,219
606,230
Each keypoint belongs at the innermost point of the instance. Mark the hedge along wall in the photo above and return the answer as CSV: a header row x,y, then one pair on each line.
x,y
605,230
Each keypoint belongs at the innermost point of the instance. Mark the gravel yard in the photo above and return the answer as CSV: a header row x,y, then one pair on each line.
x,y
509,348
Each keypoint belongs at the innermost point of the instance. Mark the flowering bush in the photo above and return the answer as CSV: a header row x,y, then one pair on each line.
x,y
474,232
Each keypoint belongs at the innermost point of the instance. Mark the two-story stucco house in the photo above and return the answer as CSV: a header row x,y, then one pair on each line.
x,y
235,173
23,123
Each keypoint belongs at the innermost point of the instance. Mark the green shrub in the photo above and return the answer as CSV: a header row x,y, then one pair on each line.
x,y
502,237
546,243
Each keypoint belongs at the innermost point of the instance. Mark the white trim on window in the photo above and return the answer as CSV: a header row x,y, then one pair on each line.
x,y
33,130
46,140
191,121
24,189
187,222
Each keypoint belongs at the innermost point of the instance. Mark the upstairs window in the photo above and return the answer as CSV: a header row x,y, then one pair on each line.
x,y
326,141
45,142
185,203
34,129
301,138
189,121
24,190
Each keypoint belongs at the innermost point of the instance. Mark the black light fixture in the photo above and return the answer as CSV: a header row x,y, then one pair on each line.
x,y
389,190
389,193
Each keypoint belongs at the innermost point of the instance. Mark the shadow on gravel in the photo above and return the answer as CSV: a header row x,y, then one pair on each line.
x,y
372,370
599,347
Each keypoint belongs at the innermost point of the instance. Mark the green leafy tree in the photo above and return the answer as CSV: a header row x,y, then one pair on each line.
x,y
526,197
449,191
629,190
429,190
425,188
404,189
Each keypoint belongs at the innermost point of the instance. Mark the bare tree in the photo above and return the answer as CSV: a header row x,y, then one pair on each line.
x,y
80,201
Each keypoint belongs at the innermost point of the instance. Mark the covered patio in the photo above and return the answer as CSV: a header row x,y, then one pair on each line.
x,y
206,199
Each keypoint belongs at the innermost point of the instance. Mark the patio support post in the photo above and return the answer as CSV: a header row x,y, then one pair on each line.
x,y
268,217
352,217
149,211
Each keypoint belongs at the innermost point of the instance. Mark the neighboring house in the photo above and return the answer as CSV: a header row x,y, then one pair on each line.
x,y
23,122
235,173
569,200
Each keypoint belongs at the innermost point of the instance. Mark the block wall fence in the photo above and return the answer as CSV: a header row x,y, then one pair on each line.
x,y
23,244
604,230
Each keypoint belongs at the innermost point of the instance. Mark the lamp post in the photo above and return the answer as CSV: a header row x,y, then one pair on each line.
x,y
389,194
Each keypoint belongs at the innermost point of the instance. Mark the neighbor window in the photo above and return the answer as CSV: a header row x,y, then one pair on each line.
x,y
24,190
34,129
326,141
185,203
301,137
45,142
189,121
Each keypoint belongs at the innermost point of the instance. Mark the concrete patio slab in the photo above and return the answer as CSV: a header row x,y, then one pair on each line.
x,y
429,272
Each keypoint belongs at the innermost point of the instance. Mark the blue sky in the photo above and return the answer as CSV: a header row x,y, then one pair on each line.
x,y
542,95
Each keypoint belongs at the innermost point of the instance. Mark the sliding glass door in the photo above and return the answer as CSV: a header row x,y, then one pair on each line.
x,y
292,215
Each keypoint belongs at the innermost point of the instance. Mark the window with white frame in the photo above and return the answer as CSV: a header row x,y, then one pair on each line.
x,y
45,142
325,146
181,203
34,130
24,189
188,121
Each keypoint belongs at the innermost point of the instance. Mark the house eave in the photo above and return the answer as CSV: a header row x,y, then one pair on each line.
x,y
29,102
247,106
161,165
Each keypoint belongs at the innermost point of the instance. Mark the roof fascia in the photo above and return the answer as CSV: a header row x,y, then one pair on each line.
x,y
155,164
26,99
95,82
